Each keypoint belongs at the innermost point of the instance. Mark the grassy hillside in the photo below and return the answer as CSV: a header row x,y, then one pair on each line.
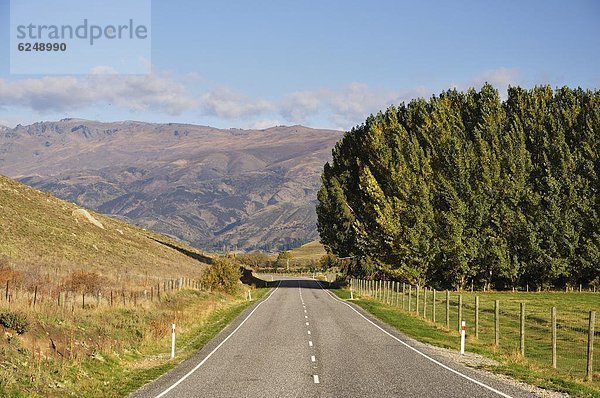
x,y
309,251
42,231
87,301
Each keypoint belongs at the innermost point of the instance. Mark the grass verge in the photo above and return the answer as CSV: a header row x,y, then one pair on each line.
x,y
114,371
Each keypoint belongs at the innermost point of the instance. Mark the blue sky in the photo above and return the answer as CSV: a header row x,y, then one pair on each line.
x,y
318,63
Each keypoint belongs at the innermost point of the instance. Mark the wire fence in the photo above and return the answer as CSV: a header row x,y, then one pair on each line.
x,y
551,330
45,296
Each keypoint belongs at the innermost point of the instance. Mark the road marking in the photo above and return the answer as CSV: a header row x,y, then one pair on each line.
x,y
309,332
309,344
188,374
316,379
305,311
305,316
306,323
313,359
492,389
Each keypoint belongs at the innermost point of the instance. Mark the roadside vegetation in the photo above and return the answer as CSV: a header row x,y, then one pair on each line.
x,y
309,258
533,368
87,302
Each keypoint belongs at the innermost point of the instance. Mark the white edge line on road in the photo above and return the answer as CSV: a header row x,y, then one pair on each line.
x,y
188,374
316,379
417,351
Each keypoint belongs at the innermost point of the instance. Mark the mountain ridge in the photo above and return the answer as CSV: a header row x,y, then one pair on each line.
x,y
248,189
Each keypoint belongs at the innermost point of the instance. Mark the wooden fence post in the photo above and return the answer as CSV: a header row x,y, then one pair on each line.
x,y
386,292
476,317
589,374
522,330
553,321
417,300
433,307
497,323
34,297
425,302
403,293
447,309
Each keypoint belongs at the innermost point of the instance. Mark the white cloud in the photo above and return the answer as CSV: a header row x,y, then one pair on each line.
x,y
226,103
160,92
156,93
298,107
103,70
500,78
346,107
264,124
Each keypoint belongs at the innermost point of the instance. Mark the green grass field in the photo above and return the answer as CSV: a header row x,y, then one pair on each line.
x,y
535,367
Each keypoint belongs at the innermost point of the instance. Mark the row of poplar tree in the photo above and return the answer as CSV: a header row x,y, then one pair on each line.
x,y
466,189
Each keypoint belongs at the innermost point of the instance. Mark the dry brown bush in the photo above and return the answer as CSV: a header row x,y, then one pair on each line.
x,y
85,282
8,273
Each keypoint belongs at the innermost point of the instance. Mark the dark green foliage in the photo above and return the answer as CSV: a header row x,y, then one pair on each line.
x,y
14,320
465,189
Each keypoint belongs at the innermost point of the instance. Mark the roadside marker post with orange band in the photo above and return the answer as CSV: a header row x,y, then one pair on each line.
x,y
463,333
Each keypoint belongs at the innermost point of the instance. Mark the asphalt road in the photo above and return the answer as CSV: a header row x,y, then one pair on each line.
x,y
300,341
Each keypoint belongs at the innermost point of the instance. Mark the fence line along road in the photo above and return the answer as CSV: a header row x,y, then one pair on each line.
x,y
525,324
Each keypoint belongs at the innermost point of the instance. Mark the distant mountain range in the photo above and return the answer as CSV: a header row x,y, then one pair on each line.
x,y
244,189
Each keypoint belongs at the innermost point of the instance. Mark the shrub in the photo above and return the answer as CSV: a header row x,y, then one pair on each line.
x,y
255,259
8,273
14,320
223,274
328,261
85,282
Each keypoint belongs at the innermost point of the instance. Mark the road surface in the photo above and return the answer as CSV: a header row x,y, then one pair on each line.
x,y
301,341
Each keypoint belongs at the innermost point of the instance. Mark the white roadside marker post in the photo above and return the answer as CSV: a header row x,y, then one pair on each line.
x,y
250,295
173,341
462,337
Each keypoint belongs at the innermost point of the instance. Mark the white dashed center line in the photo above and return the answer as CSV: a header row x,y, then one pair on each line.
x,y
313,359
